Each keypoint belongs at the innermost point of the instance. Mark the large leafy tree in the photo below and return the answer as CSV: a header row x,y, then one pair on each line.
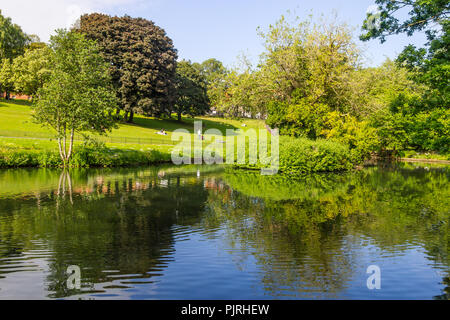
x,y
78,96
12,43
6,77
306,72
431,65
422,14
240,93
426,118
191,91
212,69
12,39
32,69
314,60
215,74
142,61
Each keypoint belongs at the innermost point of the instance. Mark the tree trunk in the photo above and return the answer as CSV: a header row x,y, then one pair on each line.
x,y
65,146
70,144
61,154
58,128
130,118
179,116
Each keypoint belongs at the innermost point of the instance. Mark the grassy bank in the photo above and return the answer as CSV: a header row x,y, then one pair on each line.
x,y
24,143
429,156
42,154
16,122
296,155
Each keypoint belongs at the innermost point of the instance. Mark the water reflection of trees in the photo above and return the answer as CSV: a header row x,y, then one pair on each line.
x,y
120,222
118,225
301,231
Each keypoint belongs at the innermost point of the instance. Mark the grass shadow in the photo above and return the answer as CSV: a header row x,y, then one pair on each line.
x,y
171,124
7,103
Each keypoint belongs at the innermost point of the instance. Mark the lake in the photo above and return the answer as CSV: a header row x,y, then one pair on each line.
x,y
208,232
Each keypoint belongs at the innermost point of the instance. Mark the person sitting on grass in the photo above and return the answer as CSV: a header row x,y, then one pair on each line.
x,y
162,132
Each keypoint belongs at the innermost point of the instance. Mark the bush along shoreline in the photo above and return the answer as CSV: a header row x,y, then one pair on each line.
x,y
84,157
296,156
302,155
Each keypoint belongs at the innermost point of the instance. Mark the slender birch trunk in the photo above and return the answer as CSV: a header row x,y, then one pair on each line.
x,y
70,144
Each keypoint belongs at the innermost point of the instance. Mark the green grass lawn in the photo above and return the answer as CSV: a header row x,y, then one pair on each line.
x,y
11,144
25,143
410,154
16,122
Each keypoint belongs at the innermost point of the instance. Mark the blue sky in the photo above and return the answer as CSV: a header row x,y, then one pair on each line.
x,y
203,29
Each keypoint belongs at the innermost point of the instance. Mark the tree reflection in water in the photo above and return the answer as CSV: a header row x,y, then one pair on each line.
x,y
304,232
306,237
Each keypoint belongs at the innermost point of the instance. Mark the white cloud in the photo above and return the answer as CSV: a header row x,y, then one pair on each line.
x,y
44,16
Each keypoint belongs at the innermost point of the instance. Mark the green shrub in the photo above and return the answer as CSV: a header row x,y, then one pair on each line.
x,y
302,155
430,131
49,159
359,136
299,117
84,157
18,159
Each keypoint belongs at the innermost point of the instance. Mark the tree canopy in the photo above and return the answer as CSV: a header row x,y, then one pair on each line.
x,y
32,70
422,14
78,96
12,39
142,61
420,120
191,91
6,77
212,69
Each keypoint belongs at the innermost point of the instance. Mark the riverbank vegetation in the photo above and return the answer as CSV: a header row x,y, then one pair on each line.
x,y
311,82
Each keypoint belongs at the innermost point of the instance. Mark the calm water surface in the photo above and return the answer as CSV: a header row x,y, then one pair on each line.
x,y
209,233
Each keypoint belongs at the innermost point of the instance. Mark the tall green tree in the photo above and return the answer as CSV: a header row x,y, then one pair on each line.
x,y
427,117
6,77
32,70
431,66
12,43
78,96
239,93
306,72
191,91
12,39
142,61
212,69
216,75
